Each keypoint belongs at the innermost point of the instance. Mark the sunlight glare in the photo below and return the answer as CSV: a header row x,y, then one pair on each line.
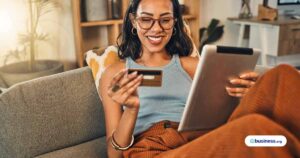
x,y
5,22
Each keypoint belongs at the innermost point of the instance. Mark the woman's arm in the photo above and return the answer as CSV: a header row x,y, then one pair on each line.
x,y
189,64
118,121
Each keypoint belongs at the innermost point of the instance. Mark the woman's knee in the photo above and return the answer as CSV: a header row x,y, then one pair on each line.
x,y
278,73
255,120
284,69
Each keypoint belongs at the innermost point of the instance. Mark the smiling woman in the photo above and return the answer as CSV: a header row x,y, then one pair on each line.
x,y
142,121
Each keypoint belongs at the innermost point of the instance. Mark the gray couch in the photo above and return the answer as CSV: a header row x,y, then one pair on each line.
x,y
58,116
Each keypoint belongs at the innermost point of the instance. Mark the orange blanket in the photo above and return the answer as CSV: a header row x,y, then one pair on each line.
x,y
271,107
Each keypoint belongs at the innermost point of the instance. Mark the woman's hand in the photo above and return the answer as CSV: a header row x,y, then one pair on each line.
x,y
123,89
242,84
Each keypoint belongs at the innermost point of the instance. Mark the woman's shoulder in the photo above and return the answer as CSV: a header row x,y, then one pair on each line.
x,y
189,64
189,59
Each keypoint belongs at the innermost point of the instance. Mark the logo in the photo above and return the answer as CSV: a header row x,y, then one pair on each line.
x,y
265,141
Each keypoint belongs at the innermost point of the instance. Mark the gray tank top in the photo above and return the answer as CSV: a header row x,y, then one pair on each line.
x,y
166,102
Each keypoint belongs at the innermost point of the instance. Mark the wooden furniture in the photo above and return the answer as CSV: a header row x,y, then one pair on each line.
x,y
274,38
91,34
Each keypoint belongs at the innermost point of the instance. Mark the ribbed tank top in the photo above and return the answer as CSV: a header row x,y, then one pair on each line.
x,y
166,102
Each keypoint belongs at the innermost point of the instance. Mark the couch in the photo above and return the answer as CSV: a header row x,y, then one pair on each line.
x,y
58,116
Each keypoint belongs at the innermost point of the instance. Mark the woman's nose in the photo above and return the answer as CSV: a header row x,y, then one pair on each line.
x,y
156,26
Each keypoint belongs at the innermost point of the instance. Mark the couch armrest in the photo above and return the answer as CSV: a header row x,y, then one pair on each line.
x,y
50,113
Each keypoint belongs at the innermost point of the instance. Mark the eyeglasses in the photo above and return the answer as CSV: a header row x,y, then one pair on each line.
x,y
147,23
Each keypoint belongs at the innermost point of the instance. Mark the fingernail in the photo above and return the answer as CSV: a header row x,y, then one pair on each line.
x,y
243,76
232,81
134,73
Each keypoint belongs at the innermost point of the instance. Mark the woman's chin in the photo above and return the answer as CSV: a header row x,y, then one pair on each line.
x,y
154,49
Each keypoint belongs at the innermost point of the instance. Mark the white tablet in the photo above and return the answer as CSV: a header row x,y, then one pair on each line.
x,y
208,104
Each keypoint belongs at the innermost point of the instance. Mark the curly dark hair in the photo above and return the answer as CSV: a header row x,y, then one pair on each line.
x,y
129,45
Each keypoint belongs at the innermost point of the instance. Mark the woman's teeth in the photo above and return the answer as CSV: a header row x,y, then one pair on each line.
x,y
155,38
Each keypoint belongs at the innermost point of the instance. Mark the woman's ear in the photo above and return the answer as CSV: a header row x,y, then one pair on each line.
x,y
132,19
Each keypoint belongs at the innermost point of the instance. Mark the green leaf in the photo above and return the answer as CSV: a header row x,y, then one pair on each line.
x,y
212,25
210,34
216,34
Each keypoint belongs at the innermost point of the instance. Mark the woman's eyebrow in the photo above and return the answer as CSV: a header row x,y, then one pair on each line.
x,y
147,13
163,14
167,13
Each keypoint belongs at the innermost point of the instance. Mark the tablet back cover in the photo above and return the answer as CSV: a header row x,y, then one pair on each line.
x,y
208,104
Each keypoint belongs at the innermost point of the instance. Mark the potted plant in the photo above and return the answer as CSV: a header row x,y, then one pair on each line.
x,y
211,34
32,68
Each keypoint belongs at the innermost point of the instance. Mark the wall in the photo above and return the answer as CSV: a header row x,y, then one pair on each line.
x,y
65,42
222,9
58,25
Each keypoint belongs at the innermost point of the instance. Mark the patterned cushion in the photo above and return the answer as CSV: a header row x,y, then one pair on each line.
x,y
98,63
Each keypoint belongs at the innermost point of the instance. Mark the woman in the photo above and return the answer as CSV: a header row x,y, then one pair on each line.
x,y
154,38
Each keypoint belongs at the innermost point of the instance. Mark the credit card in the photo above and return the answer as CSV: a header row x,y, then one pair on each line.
x,y
151,78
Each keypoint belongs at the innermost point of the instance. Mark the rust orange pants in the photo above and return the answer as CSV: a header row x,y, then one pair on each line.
x,y
271,107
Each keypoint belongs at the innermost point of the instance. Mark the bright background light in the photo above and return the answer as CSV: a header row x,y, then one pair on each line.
x,y
5,22
12,22
58,25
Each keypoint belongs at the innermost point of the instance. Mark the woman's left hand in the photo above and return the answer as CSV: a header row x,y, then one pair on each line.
x,y
242,84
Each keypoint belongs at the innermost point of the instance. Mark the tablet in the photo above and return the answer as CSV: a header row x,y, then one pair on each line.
x,y
208,104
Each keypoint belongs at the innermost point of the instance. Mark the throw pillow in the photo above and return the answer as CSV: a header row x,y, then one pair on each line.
x,y
98,63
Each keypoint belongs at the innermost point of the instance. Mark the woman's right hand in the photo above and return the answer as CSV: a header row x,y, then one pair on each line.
x,y
123,89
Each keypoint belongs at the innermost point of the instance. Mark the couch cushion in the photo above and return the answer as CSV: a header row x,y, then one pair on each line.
x,y
50,113
92,149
